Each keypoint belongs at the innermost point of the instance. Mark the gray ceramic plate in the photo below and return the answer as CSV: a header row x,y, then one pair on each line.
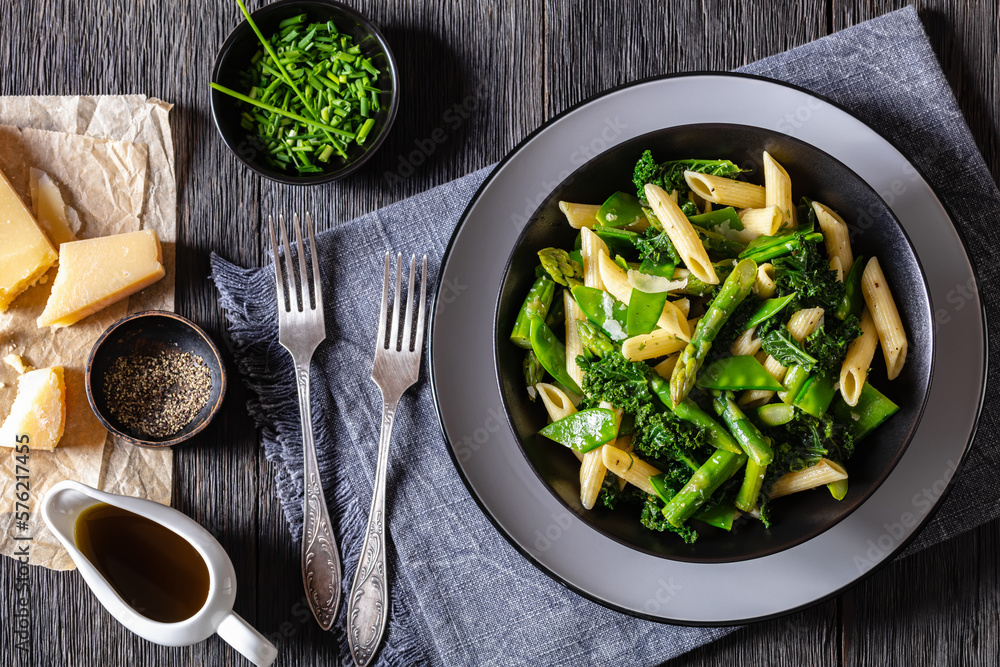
x,y
525,510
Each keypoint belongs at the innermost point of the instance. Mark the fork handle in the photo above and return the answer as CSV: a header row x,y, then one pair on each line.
x,y
321,573
368,604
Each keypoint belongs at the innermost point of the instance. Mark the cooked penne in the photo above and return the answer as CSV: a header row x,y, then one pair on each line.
x,y
590,248
666,367
835,265
674,320
632,469
778,189
574,347
659,343
854,371
745,344
555,400
891,335
762,221
580,215
835,235
725,191
615,282
684,305
820,474
764,285
593,470
804,322
682,234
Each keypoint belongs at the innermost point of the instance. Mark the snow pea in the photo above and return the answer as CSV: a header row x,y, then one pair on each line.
x,y
603,310
618,240
765,248
620,210
816,395
662,269
838,489
737,373
584,430
656,481
769,308
536,303
644,310
872,409
853,300
551,354
795,379
775,414
720,516
721,218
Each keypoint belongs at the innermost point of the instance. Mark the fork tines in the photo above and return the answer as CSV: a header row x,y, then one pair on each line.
x,y
296,293
409,339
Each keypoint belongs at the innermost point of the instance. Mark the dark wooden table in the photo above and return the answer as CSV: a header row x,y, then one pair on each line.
x,y
502,68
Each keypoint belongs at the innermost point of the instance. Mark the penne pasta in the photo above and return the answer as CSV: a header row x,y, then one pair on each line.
x,y
682,234
820,474
574,347
857,363
659,343
555,400
891,335
580,215
725,191
666,367
762,221
745,344
684,305
835,265
623,443
632,469
590,249
778,190
764,285
593,470
835,235
615,282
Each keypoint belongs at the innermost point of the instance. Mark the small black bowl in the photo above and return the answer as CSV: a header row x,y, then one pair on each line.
x,y
239,48
148,332
874,232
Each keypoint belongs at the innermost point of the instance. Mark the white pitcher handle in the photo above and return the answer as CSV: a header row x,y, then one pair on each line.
x,y
244,638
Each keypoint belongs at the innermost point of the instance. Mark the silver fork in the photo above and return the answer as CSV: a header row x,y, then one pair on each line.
x,y
301,328
396,367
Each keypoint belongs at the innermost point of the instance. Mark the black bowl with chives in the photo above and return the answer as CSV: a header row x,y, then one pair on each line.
x,y
315,104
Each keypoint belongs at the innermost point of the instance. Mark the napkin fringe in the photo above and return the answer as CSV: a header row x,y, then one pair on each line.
x,y
269,375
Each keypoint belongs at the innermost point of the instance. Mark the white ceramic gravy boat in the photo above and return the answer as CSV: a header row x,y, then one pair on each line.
x,y
63,504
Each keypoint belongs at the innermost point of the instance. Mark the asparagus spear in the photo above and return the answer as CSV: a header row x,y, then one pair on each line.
x,y
689,411
561,267
746,499
747,435
594,339
731,294
536,303
720,467
533,372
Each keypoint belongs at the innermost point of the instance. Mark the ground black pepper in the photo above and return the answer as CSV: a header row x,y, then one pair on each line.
x,y
156,395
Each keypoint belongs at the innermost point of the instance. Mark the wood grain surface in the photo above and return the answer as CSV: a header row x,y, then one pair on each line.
x,y
501,69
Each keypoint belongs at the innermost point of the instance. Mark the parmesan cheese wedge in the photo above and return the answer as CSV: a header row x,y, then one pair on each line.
x,y
95,273
25,252
38,416
49,208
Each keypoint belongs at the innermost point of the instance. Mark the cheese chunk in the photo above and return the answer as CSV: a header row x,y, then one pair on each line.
x,y
95,273
25,252
17,363
49,208
39,410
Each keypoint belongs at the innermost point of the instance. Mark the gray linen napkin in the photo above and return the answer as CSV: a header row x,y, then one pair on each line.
x,y
461,594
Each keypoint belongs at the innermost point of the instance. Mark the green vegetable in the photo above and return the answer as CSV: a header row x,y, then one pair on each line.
x,y
872,409
737,373
735,288
584,430
710,476
695,287
620,210
533,371
551,353
603,310
753,480
656,249
723,219
561,267
715,242
644,310
806,270
780,345
768,309
670,175
828,343
853,301
593,339
816,395
775,414
689,411
535,304
619,241
795,379
653,519
747,435
838,489
721,516
766,248
311,96
804,440
556,316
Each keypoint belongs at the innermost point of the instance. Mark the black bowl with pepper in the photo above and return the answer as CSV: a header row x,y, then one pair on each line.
x,y
155,379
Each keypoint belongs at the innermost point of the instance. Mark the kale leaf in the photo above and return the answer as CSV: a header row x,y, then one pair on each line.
x,y
652,518
807,272
779,344
829,342
656,247
670,175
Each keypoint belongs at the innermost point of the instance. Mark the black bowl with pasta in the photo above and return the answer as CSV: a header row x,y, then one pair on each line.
x,y
874,232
